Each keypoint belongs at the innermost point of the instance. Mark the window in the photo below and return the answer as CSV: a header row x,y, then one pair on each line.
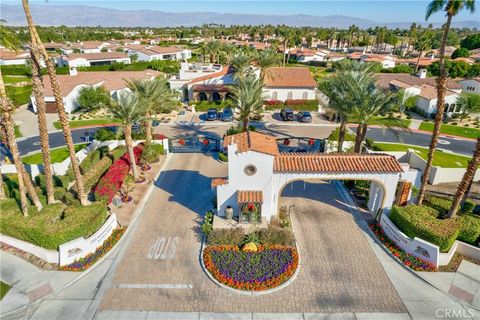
x,y
274,95
305,95
289,95
250,170
452,107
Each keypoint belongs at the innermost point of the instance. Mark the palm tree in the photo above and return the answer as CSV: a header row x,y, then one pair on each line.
x,y
422,44
340,89
156,96
39,94
466,181
62,115
412,34
241,63
287,34
130,110
247,96
266,59
212,49
451,8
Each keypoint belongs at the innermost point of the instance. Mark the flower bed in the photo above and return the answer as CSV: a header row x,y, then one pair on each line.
x,y
409,260
85,263
112,181
267,268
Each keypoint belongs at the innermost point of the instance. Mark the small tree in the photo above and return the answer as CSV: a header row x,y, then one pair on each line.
x,y
247,96
92,98
461,52
469,103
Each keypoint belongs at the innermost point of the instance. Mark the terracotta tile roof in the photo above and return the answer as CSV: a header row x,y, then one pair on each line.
x,y
154,50
430,92
250,196
87,44
335,163
96,56
383,80
211,87
221,73
253,141
112,80
12,55
218,182
467,60
284,77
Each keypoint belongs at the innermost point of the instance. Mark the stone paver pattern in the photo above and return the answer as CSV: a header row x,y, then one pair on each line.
x,y
339,272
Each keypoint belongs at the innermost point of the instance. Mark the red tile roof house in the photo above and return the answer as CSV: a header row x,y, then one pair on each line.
x,y
422,87
150,53
92,59
9,58
286,83
258,172
70,85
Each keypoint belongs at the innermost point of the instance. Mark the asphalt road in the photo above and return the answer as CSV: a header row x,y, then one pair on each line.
x,y
455,145
217,129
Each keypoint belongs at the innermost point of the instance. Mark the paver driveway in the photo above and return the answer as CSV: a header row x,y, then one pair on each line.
x,y
339,271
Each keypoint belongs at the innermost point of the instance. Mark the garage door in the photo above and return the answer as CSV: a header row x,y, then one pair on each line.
x,y
51,107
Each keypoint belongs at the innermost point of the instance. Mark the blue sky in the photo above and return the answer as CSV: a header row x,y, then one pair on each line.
x,y
380,11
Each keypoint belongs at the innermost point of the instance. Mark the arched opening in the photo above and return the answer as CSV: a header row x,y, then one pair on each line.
x,y
289,95
229,96
305,95
369,194
216,96
202,96
274,95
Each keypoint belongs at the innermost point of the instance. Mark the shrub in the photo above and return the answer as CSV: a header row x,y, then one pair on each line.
x,y
91,178
467,207
282,237
273,104
422,222
469,229
92,159
207,225
222,157
334,136
118,152
105,134
226,236
152,152
302,104
112,181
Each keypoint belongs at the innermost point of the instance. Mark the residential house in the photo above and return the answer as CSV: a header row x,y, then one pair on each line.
x,y
150,53
89,46
475,54
93,59
71,84
10,57
387,61
286,83
471,85
202,81
423,88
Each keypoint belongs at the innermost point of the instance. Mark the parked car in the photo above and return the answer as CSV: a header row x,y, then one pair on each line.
x,y
212,114
287,114
227,114
155,123
304,116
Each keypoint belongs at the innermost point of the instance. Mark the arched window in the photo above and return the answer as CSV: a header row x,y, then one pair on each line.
x,y
274,95
447,106
452,107
289,95
216,96
305,95
202,96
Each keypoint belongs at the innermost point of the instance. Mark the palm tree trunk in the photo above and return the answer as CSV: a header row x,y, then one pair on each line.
x,y
284,50
466,181
342,130
129,144
246,124
38,91
59,102
32,193
358,138
441,88
148,128
2,190
418,61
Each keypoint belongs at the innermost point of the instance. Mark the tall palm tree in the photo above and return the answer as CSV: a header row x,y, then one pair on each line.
x,y
286,34
157,98
340,90
412,34
62,115
212,48
130,110
451,8
39,94
241,63
422,44
247,96
266,59
466,181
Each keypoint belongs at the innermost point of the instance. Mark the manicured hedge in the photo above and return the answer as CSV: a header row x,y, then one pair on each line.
x,y
152,152
422,222
295,104
205,105
469,229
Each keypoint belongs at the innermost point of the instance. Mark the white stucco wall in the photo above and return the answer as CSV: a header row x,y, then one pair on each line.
x,y
430,106
470,86
13,62
283,93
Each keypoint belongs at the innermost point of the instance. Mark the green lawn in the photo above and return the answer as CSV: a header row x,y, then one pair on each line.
x,y
440,159
8,79
17,132
19,95
3,289
57,155
453,130
90,122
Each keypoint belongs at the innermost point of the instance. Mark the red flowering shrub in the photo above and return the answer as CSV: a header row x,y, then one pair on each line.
x,y
113,179
273,104
158,136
